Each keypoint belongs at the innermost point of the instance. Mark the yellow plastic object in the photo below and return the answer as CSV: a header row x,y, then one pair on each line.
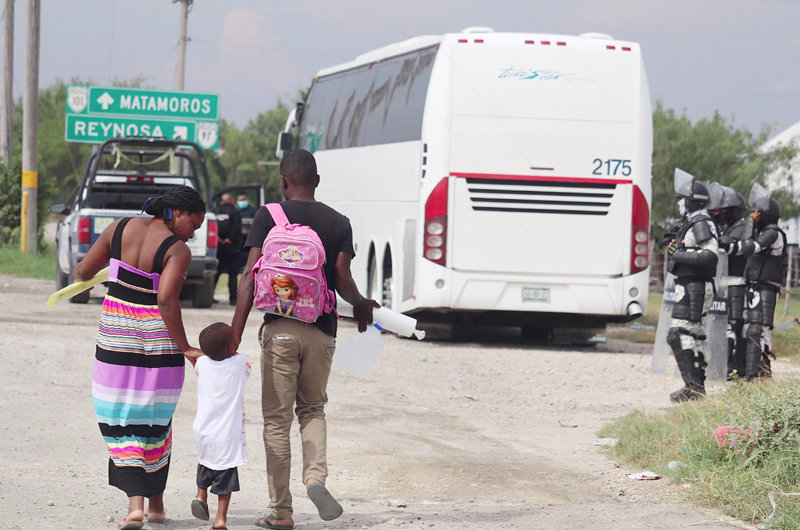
x,y
77,288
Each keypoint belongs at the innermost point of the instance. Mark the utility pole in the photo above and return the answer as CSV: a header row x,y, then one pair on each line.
x,y
30,133
180,69
6,84
180,72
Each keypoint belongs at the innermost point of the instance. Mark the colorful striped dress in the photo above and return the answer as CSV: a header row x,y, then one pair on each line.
x,y
138,376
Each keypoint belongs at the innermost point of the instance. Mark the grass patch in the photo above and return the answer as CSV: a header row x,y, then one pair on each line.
x,y
762,457
41,266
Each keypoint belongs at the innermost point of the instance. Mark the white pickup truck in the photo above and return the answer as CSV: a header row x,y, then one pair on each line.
x,y
118,179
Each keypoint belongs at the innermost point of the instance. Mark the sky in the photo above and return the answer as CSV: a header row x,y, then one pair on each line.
x,y
738,57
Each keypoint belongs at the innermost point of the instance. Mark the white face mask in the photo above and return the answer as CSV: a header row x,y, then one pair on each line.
x,y
682,206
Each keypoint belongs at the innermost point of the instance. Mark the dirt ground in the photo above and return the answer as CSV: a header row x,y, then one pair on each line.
x,y
491,433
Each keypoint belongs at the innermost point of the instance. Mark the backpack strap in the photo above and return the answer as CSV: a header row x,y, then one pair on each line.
x,y
278,215
161,253
116,241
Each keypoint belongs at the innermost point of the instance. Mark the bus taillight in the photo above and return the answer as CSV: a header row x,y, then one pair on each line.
x,y
640,227
435,246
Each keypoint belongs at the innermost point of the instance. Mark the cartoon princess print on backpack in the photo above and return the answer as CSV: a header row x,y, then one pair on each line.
x,y
289,276
286,290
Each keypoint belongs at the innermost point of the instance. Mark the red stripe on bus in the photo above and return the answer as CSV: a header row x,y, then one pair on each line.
x,y
547,178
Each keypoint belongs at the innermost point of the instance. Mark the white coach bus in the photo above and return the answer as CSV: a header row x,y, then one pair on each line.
x,y
491,178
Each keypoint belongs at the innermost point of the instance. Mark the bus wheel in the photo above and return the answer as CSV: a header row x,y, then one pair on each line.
x,y
372,278
388,282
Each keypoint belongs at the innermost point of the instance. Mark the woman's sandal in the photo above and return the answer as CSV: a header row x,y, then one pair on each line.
x,y
130,525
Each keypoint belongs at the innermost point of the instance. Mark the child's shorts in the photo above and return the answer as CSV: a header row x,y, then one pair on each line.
x,y
221,482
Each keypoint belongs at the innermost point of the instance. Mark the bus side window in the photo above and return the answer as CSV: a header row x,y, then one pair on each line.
x,y
415,100
372,130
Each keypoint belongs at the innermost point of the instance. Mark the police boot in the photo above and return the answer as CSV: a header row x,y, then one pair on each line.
x,y
753,352
698,385
685,360
765,367
732,375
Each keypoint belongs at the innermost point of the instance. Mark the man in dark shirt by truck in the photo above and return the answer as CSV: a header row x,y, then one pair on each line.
x,y
229,221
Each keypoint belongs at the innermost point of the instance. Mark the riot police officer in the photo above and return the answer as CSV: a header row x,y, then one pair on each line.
x,y
693,261
764,246
727,208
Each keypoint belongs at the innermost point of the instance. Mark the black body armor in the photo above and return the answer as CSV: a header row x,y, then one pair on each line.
x,y
763,267
694,265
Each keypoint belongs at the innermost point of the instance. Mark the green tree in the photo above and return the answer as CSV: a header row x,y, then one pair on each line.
x,y
715,150
243,152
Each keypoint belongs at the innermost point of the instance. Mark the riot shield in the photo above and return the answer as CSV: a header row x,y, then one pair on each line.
x,y
683,183
717,324
662,350
759,197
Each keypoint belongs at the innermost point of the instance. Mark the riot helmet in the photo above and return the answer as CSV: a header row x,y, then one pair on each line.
x,y
762,201
691,191
716,197
737,203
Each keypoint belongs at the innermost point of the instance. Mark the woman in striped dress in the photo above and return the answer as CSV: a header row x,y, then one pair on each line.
x,y
142,345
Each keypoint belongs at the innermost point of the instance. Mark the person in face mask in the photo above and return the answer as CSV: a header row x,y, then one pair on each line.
x,y
764,245
693,261
247,210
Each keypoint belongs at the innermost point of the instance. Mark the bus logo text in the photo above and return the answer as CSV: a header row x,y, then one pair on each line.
x,y
528,73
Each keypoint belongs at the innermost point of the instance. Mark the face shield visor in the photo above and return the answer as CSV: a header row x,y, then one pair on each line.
x,y
759,198
683,183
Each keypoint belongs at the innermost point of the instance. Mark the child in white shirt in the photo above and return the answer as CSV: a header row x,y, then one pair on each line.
x,y
219,425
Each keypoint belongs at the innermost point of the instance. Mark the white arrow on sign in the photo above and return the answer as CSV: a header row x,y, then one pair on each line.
x,y
105,100
180,133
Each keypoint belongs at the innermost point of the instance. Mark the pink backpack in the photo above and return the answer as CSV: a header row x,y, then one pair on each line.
x,y
289,277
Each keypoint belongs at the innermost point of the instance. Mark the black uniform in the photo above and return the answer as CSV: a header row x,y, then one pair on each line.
x,y
229,223
731,236
765,270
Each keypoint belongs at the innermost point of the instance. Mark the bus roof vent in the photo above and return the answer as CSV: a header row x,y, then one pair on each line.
x,y
477,29
601,36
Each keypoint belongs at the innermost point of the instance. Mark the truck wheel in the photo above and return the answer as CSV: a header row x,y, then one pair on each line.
x,y
62,280
82,298
203,295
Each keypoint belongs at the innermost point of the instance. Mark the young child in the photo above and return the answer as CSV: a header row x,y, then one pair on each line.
x,y
219,424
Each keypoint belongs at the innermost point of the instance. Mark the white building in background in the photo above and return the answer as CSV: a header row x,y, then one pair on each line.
x,y
780,179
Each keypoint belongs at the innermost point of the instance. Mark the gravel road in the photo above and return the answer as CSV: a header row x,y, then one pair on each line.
x,y
406,444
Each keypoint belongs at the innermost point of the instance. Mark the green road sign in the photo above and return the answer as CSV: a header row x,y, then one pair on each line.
x,y
97,129
95,114
141,103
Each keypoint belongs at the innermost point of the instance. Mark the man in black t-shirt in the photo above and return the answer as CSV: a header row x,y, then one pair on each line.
x,y
296,357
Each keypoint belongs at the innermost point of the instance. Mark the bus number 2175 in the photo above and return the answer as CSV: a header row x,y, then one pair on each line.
x,y
612,166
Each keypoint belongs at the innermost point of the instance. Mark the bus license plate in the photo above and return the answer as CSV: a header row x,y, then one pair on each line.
x,y
536,294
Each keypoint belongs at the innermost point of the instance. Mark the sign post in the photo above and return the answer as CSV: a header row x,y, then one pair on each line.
x,y
96,114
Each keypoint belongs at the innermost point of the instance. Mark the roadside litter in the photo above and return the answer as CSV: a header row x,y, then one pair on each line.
x,y
467,396
644,475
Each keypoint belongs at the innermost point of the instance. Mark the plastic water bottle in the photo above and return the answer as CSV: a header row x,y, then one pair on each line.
x,y
358,352
386,319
